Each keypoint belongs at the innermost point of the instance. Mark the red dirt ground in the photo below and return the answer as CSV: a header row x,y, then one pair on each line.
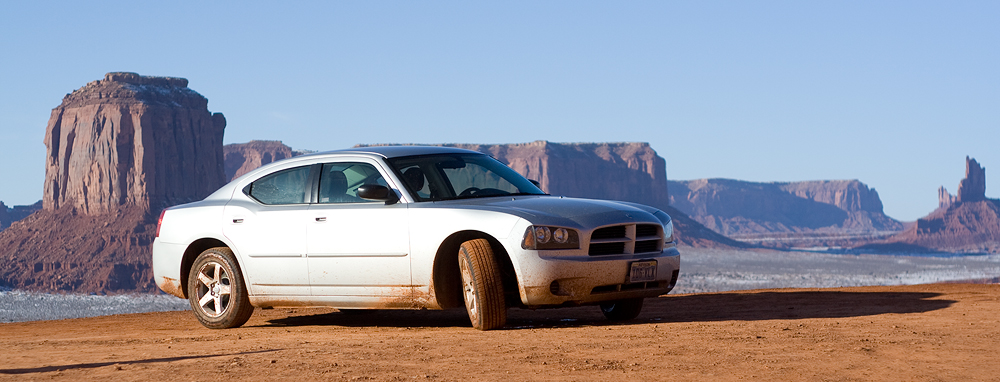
x,y
939,332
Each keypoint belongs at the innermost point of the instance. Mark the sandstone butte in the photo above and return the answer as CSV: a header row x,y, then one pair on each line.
x,y
118,151
965,223
797,213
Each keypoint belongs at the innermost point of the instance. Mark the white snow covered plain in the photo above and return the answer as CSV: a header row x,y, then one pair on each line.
x,y
714,270
702,271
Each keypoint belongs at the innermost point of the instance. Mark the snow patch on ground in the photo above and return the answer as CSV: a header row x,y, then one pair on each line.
x,y
18,306
713,270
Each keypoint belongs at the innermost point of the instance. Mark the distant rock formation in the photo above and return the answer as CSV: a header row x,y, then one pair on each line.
x,y
945,198
969,223
118,151
783,214
131,140
973,187
848,195
9,215
630,171
241,158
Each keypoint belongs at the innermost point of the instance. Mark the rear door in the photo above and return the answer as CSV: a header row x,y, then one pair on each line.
x,y
267,224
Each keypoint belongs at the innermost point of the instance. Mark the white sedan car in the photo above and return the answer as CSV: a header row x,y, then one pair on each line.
x,y
407,227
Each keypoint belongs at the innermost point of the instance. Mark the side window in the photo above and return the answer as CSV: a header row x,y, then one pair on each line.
x,y
339,182
283,187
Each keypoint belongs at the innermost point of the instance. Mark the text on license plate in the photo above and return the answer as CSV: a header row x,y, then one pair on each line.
x,y
642,271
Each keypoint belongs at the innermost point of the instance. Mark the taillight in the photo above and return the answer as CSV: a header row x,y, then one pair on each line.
x,y
159,222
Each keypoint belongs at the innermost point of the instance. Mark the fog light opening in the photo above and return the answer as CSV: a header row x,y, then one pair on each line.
x,y
554,287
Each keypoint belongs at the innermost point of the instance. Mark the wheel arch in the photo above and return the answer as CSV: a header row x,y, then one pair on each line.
x,y
446,278
192,252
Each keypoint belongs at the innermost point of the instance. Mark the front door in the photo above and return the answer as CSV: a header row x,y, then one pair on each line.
x,y
357,248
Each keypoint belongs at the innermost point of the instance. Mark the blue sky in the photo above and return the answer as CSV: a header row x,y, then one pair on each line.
x,y
894,94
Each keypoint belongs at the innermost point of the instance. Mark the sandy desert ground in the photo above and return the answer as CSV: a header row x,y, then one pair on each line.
x,y
935,332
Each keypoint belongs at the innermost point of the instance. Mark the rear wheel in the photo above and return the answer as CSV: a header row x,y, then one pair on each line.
x,y
482,286
216,290
622,310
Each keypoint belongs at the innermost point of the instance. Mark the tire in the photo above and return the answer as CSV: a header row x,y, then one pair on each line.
x,y
216,290
482,286
622,310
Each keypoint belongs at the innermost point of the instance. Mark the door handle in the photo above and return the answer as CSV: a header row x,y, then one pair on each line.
x,y
321,219
237,220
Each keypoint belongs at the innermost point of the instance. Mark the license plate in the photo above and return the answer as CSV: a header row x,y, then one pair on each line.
x,y
642,271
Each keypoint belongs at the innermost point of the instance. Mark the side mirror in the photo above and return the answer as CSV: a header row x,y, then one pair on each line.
x,y
535,182
377,192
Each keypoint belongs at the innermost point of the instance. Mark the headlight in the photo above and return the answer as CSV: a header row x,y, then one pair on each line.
x,y
542,237
668,225
668,231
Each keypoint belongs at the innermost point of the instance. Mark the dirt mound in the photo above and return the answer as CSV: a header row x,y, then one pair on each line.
x,y
65,251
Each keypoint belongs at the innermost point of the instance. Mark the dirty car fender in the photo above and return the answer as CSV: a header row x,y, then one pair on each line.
x,y
429,227
181,226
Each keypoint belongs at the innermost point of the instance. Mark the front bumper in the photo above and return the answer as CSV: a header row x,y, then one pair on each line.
x,y
580,280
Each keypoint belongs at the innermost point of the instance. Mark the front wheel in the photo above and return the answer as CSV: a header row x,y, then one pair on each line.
x,y
482,285
622,310
216,290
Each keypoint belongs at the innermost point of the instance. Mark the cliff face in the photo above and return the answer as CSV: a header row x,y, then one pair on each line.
x,y
241,158
968,223
847,195
130,140
762,212
118,150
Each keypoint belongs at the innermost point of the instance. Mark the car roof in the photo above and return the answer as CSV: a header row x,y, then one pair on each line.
x,y
400,151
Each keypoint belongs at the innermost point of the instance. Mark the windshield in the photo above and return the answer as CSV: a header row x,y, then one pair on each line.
x,y
459,176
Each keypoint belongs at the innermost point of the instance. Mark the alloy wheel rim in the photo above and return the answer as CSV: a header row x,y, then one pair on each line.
x,y
468,289
214,289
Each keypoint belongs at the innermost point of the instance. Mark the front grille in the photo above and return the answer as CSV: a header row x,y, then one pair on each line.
x,y
617,232
647,246
626,239
600,249
643,230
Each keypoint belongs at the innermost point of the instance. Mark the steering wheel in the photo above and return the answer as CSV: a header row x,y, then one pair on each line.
x,y
469,191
